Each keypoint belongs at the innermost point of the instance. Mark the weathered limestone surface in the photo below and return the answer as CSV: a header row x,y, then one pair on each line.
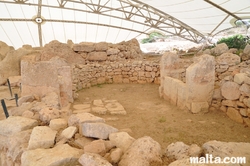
x,y
200,78
142,152
62,50
196,94
180,150
57,156
96,130
230,90
228,149
16,124
43,77
42,137
10,65
93,160
77,119
121,140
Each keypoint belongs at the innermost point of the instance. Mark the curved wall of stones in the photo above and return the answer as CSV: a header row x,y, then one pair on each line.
x,y
136,71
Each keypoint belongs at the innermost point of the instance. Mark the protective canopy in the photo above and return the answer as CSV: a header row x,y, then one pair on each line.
x,y
37,22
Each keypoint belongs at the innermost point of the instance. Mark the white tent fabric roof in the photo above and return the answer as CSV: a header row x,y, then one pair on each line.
x,y
37,22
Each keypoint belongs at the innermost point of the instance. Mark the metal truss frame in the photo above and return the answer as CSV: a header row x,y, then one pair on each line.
x,y
153,18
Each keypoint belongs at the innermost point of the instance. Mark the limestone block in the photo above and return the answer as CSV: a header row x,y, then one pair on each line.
x,y
97,56
65,85
93,160
69,132
39,78
246,101
234,114
57,156
4,49
17,144
228,59
48,113
229,103
61,50
97,147
101,46
220,49
142,152
112,51
10,65
170,89
121,140
200,78
227,149
115,156
77,119
99,110
197,107
15,81
98,103
245,90
84,47
177,151
230,90
42,137
15,124
24,99
81,106
51,99
115,108
181,94
96,130
58,124
239,78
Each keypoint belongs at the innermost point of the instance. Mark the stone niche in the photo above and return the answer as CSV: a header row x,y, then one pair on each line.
x,y
194,95
42,77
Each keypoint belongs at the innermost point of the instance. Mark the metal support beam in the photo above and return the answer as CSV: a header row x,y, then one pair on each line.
x,y
221,8
39,15
133,11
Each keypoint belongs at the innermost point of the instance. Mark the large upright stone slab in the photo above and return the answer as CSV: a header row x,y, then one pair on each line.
x,y
65,81
16,124
169,66
200,78
39,78
43,77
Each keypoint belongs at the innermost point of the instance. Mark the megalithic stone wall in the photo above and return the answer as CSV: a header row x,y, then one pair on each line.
x,y
196,93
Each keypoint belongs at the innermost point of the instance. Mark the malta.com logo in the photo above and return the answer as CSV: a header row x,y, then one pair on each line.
x,y
210,159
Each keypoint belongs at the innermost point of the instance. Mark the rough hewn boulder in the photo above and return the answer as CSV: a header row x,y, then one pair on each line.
x,y
62,50
10,65
142,152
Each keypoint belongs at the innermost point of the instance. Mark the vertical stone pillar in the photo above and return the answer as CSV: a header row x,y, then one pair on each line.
x,y
169,66
200,78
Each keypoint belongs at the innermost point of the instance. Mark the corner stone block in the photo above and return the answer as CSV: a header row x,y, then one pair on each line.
x,y
197,107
